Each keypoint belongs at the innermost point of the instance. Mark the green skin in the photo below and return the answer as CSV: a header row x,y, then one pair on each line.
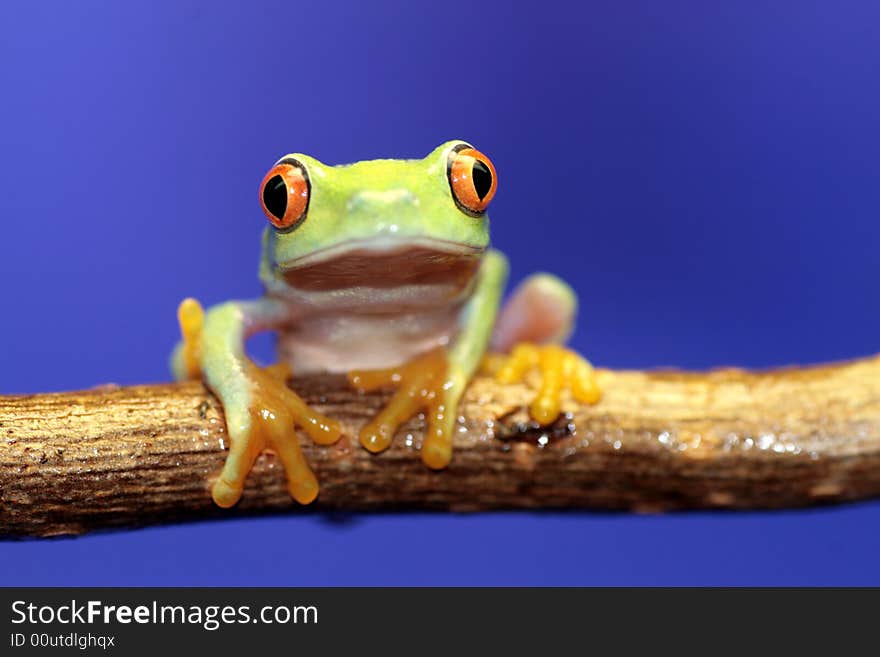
x,y
373,208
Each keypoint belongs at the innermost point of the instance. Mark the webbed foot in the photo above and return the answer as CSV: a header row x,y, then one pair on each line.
x,y
262,413
559,368
191,318
274,410
423,384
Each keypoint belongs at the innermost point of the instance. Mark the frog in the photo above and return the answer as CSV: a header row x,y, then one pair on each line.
x,y
381,270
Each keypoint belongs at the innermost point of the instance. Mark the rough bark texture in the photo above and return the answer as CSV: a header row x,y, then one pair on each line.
x,y
126,457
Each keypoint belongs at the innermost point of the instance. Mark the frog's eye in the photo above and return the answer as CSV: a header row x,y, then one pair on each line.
x,y
472,178
284,194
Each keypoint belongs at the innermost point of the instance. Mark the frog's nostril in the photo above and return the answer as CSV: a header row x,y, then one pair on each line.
x,y
380,199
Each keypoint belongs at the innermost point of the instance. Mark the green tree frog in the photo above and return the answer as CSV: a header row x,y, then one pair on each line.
x,y
380,269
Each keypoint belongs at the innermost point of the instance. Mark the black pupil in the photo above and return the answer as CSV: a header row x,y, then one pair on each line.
x,y
482,178
275,196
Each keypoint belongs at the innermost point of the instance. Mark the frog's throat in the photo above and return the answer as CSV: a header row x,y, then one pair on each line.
x,y
384,264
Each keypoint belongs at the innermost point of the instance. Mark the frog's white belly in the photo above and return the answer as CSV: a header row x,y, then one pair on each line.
x,y
340,341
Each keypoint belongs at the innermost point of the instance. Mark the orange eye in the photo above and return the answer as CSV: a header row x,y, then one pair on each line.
x,y
472,179
284,194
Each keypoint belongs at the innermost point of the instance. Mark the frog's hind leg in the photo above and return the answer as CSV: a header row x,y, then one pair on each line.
x,y
537,319
541,310
185,358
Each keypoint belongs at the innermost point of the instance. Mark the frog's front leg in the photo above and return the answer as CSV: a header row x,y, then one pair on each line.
x,y
436,381
261,411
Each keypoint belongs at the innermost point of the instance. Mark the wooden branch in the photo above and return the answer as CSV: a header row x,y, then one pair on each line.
x,y
126,457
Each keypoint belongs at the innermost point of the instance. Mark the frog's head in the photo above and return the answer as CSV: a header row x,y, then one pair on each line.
x,y
377,223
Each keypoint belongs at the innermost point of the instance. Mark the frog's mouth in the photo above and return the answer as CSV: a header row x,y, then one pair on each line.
x,y
384,264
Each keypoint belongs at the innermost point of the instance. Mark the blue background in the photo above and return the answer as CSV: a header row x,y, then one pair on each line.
x,y
705,174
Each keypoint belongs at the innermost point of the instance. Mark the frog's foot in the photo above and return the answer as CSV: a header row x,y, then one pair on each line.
x,y
423,384
191,318
273,410
560,369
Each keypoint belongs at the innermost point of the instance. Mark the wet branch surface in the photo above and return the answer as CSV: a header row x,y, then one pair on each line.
x,y
122,457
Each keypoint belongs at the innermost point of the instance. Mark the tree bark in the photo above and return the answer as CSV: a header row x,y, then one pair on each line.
x,y
119,457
